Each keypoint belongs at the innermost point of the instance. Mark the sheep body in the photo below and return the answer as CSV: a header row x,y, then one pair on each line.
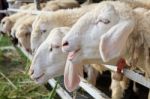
x,y
60,4
139,41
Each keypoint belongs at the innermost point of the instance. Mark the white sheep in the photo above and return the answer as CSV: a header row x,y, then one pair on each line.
x,y
23,32
16,24
105,25
49,60
87,29
8,21
43,24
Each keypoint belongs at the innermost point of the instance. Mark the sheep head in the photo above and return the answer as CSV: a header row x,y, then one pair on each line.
x,y
23,33
82,41
6,24
49,60
41,28
88,29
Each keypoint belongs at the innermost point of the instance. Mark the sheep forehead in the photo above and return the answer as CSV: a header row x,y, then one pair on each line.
x,y
83,23
5,19
108,11
55,38
43,26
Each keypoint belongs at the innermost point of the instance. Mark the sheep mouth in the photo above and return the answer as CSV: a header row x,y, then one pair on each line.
x,y
37,78
72,54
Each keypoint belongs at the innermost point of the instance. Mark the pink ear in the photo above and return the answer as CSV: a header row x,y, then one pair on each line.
x,y
113,42
72,75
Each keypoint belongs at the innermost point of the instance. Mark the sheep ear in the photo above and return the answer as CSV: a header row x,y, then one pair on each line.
x,y
72,75
113,42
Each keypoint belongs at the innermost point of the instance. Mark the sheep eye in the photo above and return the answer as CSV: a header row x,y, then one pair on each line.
x,y
50,49
43,31
56,46
105,21
26,34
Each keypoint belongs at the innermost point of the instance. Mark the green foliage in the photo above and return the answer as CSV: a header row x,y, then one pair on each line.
x,y
4,41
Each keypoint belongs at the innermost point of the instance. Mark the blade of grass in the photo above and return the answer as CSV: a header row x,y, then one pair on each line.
x,y
10,82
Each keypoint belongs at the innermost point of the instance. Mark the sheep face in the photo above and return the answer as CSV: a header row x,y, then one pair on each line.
x,y
6,24
88,29
49,60
23,34
41,28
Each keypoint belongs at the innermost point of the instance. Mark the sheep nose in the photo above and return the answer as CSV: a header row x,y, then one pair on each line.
x,y
28,50
65,43
31,72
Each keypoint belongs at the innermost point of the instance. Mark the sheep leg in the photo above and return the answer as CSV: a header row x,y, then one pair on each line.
x,y
147,61
92,74
124,83
148,95
118,87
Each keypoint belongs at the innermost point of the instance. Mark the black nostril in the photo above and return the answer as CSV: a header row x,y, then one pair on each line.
x,y
65,43
27,49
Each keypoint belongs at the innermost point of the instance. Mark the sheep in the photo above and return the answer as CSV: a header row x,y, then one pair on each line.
x,y
60,4
97,21
93,32
43,24
135,43
14,28
16,24
23,32
49,60
8,21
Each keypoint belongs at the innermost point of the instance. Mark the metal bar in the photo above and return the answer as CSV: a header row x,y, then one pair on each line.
x,y
132,75
28,11
62,93
3,11
28,1
94,92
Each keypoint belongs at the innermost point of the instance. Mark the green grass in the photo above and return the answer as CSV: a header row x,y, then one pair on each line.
x,y
14,80
5,41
